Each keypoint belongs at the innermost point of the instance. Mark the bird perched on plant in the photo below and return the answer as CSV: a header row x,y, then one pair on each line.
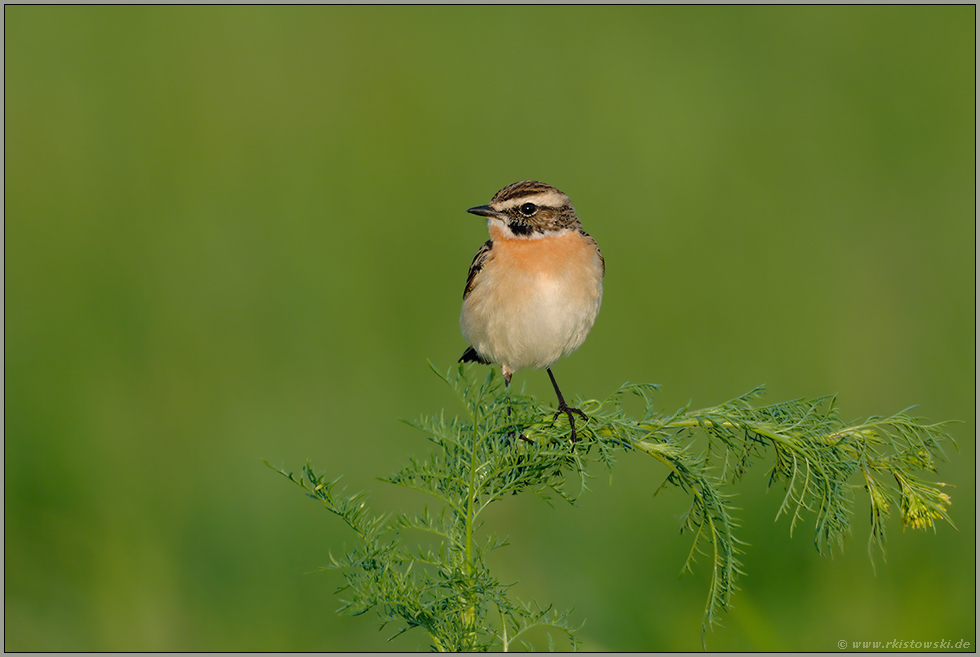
x,y
534,288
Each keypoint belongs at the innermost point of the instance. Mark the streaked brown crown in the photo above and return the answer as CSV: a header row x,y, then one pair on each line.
x,y
522,189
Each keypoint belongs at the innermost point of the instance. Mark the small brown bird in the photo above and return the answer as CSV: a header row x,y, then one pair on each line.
x,y
534,288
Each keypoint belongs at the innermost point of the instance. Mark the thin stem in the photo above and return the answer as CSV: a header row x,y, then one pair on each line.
x,y
505,643
469,615
471,497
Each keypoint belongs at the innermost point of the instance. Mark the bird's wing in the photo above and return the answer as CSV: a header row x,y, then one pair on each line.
x,y
479,260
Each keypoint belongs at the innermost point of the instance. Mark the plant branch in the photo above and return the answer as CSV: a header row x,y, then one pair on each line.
x,y
450,591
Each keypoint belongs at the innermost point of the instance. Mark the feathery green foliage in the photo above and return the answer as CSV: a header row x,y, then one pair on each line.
x,y
506,446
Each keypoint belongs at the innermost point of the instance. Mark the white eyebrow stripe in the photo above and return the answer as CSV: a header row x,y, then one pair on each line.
x,y
548,199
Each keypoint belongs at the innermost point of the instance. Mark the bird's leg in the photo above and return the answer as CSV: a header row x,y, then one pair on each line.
x,y
565,408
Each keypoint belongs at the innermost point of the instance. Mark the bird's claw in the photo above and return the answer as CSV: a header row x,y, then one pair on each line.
x,y
569,411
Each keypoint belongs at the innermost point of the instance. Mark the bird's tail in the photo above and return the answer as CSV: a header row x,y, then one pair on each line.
x,y
470,356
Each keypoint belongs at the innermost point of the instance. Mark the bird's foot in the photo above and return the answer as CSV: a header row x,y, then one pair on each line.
x,y
570,413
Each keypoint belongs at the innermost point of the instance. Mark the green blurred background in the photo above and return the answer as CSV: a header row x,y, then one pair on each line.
x,y
239,233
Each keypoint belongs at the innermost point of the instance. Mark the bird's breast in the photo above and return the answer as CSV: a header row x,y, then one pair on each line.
x,y
535,300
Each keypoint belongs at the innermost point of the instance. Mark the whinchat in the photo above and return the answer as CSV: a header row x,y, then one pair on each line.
x,y
534,288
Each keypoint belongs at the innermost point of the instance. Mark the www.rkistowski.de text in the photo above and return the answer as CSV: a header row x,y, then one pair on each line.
x,y
896,644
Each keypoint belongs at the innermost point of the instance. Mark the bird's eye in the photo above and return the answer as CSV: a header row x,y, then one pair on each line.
x,y
528,209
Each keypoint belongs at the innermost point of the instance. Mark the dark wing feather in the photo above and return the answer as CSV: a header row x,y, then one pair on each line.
x,y
479,260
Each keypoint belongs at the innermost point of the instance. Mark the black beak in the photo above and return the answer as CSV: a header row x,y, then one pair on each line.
x,y
483,211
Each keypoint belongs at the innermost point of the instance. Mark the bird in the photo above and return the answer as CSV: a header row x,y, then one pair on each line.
x,y
534,288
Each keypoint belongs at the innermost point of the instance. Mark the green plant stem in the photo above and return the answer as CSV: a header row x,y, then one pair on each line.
x,y
471,499
504,642
469,616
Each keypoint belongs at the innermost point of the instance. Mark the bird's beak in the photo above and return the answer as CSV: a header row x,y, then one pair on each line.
x,y
484,211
